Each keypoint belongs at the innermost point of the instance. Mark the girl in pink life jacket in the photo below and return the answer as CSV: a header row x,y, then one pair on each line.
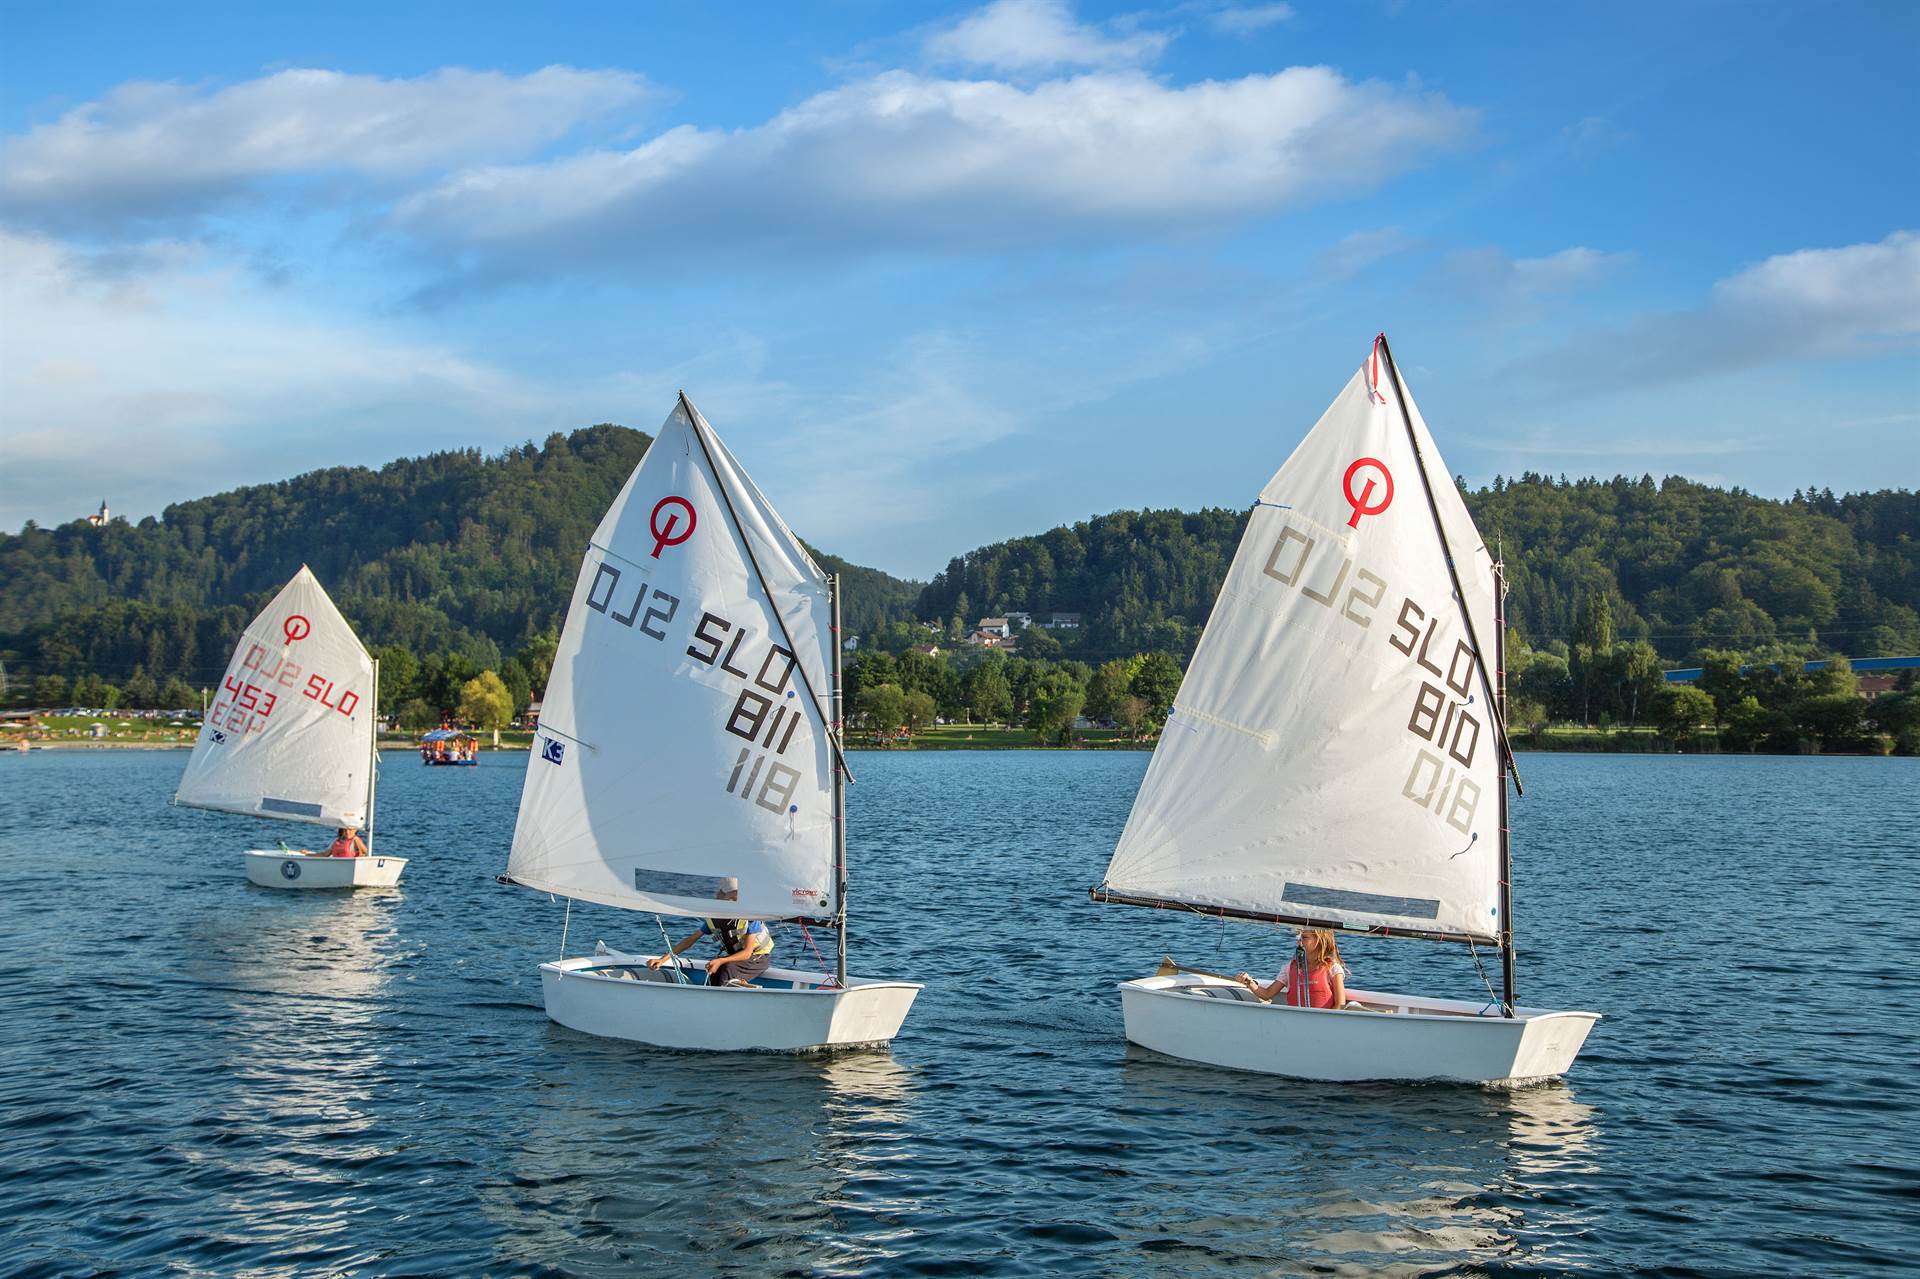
x,y
346,843
1325,985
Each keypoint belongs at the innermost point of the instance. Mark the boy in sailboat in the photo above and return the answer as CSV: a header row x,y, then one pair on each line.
x,y
1325,982
746,945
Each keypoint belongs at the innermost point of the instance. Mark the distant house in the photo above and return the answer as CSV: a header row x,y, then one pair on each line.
x,y
989,639
1062,622
1020,621
102,517
851,643
995,626
925,650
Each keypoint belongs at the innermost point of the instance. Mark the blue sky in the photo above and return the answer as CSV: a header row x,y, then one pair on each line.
x,y
944,274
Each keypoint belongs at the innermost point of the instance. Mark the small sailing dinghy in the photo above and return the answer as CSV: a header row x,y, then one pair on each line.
x,y
292,735
1337,758
690,734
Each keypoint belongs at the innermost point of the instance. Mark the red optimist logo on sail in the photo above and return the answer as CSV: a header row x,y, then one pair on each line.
x,y
1362,502
670,533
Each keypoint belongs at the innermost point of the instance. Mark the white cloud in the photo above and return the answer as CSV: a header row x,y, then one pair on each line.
x,y
1830,298
1245,20
901,161
1860,299
1508,281
1038,35
166,372
1359,250
151,150
1593,134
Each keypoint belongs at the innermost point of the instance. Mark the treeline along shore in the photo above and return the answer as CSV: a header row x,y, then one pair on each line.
x,y
457,568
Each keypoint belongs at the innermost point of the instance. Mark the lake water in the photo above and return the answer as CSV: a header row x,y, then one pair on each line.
x,y
202,1077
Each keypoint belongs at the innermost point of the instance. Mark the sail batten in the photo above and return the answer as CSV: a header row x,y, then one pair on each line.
x,y
691,660
288,735
1333,754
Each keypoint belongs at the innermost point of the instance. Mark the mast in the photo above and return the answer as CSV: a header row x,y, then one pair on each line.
x,y
1506,837
1495,688
839,795
373,755
694,423
1453,571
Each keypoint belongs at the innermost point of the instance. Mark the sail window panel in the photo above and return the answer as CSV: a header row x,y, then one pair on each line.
x,y
1352,902
291,808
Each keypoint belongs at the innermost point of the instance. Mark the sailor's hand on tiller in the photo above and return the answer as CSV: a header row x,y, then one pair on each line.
x,y
656,961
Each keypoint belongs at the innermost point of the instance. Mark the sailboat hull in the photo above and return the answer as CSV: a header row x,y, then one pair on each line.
x,y
278,869
616,996
1398,1037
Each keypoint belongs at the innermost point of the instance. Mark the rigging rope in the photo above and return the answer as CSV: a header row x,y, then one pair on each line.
x,y
1484,979
831,980
673,960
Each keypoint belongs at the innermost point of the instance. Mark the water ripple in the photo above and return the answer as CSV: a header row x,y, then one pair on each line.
x,y
199,1077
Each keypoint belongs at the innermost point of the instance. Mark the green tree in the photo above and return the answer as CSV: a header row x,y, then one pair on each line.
x,y
1035,642
485,702
519,684
1526,717
989,698
50,690
416,714
1057,699
89,690
917,710
1721,678
882,708
1746,725
177,695
140,692
869,668
1157,683
1679,710
1112,682
1830,719
1131,713
536,658
399,669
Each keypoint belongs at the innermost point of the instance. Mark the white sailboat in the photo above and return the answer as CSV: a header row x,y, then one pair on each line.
x,y
1337,758
292,735
690,734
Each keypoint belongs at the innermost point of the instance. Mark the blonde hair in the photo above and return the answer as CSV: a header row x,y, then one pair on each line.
x,y
1321,947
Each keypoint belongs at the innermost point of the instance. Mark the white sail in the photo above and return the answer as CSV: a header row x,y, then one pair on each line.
x,y
288,733
683,737
1332,755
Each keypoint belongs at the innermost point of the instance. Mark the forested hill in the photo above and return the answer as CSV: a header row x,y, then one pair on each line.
x,y
458,552
1683,565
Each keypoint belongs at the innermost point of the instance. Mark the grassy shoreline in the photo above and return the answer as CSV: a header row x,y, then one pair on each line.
x,y
145,735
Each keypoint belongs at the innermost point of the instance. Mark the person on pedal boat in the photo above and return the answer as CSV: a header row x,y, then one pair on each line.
x,y
746,945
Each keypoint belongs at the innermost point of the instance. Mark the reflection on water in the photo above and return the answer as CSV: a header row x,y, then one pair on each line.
x,y
302,979
664,1159
1236,1168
